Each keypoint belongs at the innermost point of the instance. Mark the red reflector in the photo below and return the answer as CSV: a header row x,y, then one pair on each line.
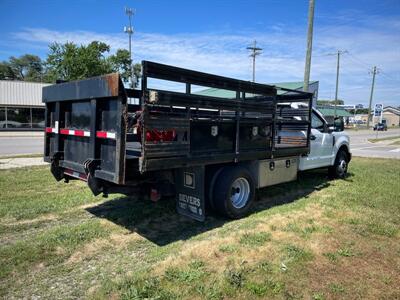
x,y
101,134
64,131
79,133
49,129
154,195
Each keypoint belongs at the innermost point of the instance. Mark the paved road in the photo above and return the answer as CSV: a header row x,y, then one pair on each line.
x,y
359,144
20,145
361,147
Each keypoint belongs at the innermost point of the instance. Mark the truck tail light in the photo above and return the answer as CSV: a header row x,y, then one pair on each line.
x,y
160,135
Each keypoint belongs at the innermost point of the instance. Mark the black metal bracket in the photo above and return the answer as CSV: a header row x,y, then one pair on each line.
x,y
55,169
95,184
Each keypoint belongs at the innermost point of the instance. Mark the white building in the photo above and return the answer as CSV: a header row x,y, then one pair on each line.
x,y
21,106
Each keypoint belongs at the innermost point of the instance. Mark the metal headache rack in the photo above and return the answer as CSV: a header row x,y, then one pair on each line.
x,y
92,129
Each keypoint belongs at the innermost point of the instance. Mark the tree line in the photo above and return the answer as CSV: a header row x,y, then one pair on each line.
x,y
69,61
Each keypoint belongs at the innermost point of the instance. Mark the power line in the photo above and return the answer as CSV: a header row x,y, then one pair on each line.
x,y
255,51
360,62
389,76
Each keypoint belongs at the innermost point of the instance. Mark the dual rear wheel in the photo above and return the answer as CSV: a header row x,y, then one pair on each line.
x,y
233,192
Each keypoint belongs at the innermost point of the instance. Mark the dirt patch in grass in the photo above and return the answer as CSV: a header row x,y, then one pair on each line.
x,y
119,242
43,218
361,275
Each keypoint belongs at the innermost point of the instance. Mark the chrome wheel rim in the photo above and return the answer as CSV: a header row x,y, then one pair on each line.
x,y
240,192
342,167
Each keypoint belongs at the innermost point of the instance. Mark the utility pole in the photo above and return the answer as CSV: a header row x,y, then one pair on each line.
x,y
255,52
374,72
129,31
309,45
339,52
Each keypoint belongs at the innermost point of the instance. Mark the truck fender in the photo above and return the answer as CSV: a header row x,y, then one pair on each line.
x,y
341,147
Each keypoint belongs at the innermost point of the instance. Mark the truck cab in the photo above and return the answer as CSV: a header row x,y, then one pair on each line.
x,y
329,146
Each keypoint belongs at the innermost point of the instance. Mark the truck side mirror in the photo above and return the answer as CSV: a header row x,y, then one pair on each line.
x,y
338,124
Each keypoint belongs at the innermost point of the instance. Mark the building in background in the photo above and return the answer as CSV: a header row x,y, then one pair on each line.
x,y
329,113
313,87
21,106
390,116
298,86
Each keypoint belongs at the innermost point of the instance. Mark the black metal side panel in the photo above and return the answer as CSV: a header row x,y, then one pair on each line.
x,y
203,140
190,197
111,152
50,138
76,116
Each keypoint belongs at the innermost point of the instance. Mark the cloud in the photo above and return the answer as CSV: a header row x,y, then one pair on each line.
x,y
225,53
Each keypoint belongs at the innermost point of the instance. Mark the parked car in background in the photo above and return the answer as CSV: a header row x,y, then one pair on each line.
x,y
380,127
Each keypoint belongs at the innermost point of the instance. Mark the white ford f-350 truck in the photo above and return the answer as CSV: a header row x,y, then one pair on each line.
x,y
211,150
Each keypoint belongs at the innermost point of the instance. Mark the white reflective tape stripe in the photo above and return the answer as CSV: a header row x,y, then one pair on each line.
x,y
74,132
111,135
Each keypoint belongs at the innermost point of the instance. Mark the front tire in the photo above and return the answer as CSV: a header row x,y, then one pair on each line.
x,y
339,169
234,192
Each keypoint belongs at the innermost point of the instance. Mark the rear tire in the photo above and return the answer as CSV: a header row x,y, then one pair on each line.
x,y
234,192
339,169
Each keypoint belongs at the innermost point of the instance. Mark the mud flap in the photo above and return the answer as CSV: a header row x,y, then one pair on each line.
x,y
190,196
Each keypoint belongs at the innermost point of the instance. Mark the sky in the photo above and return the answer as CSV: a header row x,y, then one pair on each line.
x,y
212,36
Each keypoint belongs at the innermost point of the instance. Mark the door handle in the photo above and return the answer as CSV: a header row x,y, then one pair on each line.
x,y
313,137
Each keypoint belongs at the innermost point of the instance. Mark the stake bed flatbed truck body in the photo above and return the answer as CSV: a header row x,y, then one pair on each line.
x,y
176,142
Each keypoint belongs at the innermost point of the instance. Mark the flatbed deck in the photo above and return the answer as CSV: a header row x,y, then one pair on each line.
x,y
164,129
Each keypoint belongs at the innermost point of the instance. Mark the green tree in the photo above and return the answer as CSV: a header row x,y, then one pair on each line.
x,y
121,62
26,67
330,102
71,62
6,71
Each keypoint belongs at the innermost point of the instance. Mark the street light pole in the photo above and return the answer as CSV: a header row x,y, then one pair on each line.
x,y
129,31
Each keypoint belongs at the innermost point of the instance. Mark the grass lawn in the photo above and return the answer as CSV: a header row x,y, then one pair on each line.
x,y
22,156
388,138
309,239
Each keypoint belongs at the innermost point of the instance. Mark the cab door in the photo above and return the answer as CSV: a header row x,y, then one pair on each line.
x,y
321,144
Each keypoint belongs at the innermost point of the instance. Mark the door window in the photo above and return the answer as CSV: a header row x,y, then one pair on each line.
x,y
316,122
